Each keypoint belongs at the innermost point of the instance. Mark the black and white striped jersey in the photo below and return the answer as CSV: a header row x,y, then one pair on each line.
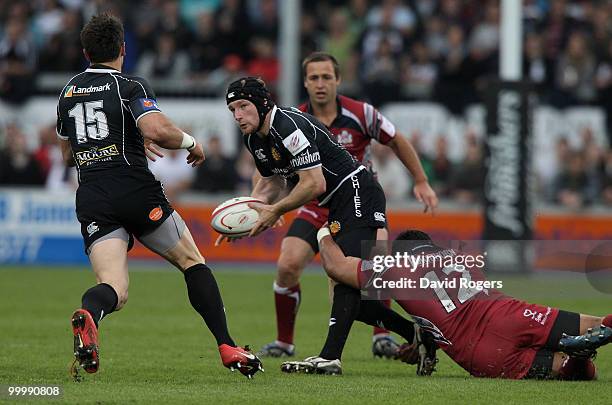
x,y
298,141
97,111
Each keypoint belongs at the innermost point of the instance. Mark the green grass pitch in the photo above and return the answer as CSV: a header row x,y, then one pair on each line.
x,y
158,350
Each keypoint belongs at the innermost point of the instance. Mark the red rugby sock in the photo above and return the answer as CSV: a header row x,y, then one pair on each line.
x,y
287,302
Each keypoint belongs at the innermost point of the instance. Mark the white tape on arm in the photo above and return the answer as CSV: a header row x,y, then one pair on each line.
x,y
323,232
188,142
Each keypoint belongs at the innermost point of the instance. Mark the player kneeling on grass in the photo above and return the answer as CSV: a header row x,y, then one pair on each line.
x,y
486,332
103,132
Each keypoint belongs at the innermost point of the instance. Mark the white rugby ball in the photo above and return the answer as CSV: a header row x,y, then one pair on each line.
x,y
234,217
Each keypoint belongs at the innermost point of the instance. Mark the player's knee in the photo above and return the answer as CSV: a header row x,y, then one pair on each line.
x,y
184,256
189,260
589,321
289,270
122,298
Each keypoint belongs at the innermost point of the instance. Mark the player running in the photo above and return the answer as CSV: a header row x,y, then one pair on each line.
x,y
298,160
104,119
486,332
353,124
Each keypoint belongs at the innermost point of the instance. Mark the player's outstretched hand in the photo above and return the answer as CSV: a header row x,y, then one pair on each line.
x,y
151,150
196,155
425,194
268,217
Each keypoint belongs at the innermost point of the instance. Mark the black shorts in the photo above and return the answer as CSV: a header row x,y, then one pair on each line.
x,y
300,228
129,199
566,322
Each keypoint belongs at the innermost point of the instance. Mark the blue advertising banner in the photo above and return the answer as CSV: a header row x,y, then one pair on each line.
x,y
38,227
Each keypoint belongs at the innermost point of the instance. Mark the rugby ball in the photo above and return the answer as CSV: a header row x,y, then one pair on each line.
x,y
234,217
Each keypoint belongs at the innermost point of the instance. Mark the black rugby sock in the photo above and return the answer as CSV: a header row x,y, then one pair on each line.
x,y
205,298
99,301
373,312
345,308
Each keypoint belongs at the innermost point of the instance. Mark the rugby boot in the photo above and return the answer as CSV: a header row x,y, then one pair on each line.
x,y
241,359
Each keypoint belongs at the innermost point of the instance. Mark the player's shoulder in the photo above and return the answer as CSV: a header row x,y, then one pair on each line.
x,y
134,86
289,119
350,103
356,107
133,80
303,107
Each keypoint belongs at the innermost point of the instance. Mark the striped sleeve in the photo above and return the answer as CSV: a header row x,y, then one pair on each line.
x,y
377,126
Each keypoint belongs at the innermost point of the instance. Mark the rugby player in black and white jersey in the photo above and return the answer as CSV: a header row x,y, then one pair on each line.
x,y
104,118
299,161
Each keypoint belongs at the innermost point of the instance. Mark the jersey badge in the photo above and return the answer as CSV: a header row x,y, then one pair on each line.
x,y
296,142
149,104
334,227
345,137
275,154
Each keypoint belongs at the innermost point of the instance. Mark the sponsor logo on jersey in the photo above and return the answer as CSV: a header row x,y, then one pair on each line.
x,y
539,317
84,91
156,213
379,216
275,154
149,104
334,227
284,171
305,159
92,228
260,155
94,154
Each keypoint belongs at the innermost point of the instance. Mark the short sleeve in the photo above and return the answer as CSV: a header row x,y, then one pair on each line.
x,y
298,138
141,98
377,125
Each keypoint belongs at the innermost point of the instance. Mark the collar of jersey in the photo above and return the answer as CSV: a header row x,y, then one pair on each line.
x,y
98,68
338,108
274,108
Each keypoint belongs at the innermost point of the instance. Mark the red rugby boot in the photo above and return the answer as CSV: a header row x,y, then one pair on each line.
x,y
241,359
86,348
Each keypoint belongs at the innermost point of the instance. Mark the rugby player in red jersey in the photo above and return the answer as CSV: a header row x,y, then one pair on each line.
x,y
354,124
485,331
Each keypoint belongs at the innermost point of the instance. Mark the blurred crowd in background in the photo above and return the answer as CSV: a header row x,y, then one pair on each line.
x,y
389,50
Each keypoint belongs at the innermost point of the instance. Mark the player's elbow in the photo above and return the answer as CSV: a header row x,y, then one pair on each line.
x,y
321,186
317,185
331,267
156,133
155,127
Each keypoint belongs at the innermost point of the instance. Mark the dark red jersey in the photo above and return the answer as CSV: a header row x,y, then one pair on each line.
x,y
465,313
356,124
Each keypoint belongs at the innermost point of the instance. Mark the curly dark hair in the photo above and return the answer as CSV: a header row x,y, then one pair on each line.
x,y
412,240
102,38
